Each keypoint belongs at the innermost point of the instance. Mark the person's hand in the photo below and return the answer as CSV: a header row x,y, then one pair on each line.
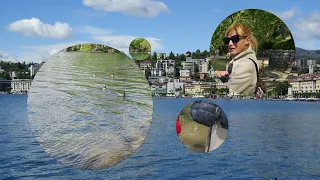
x,y
225,73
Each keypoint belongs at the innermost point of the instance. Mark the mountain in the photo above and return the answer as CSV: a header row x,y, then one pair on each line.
x,y
303,53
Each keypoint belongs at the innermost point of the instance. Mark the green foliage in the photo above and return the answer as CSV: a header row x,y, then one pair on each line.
x,y
154,58
92,48
282,88
147,72
269,30
171,55
218,64
200,55
139,45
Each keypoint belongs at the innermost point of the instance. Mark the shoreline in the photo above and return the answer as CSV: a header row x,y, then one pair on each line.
x,y
303,100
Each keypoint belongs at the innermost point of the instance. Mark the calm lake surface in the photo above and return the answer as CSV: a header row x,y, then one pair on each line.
x,y
266,139
78,113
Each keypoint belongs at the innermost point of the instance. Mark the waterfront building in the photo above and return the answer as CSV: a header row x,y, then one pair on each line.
x,y
306,83
20,85
159,88
158,79
174,85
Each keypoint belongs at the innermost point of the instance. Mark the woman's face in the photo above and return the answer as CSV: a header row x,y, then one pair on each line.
x,y
237,47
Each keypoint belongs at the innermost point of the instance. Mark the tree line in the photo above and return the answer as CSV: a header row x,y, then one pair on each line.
x,y
21,69
91,48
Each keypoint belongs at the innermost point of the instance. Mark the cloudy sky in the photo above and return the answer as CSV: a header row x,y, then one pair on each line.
x,y
34,30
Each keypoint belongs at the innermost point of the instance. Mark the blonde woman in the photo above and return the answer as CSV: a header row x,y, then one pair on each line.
x,y
243,67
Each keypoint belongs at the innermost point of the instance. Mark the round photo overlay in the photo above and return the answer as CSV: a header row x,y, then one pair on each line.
x,y
90,106
140,49
252,54
202,126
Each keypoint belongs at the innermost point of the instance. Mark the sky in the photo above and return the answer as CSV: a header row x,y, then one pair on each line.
x,y
34,30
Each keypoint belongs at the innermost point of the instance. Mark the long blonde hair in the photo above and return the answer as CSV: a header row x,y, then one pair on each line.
x,y
244,30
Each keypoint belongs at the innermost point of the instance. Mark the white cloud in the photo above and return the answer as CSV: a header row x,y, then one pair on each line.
x,y
308,28
5,56
44,52
122,42
91,30
141,8
34,27
288,14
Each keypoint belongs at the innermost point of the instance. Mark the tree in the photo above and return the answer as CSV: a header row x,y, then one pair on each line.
x,y
171,55
205,54
282,88
147,72
154,58
86,47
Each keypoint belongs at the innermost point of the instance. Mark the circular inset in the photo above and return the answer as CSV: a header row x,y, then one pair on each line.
x,y
90,110
140,49
202,126
254,50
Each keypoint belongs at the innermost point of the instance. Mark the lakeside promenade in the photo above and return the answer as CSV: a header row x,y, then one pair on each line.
x,y
225,98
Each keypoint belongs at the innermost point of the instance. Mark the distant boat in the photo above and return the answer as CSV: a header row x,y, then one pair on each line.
x,y
198,96
291,99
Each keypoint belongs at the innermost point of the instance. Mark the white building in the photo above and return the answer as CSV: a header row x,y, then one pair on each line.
x,y
167,66
203,67
159,88
32,70
170,71
174,86
188,64
157,72
185,73
20,85
158,79
312,64
144,65
212,73
289,91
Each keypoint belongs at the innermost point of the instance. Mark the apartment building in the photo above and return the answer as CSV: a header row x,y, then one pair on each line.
x,y
20,85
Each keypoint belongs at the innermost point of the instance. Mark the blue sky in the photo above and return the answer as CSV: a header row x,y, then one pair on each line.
x,y
33,30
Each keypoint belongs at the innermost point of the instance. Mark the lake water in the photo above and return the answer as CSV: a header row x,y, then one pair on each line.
x,y
78,113
266,139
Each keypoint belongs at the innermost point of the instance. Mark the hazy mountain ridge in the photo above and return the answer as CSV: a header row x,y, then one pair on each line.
x,y
303,53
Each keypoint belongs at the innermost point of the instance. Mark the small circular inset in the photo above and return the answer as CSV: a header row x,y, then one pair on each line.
x,y
140,49
90,106
252,52
202,126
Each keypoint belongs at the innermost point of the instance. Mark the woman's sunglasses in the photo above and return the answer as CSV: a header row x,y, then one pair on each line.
x,y
235,39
